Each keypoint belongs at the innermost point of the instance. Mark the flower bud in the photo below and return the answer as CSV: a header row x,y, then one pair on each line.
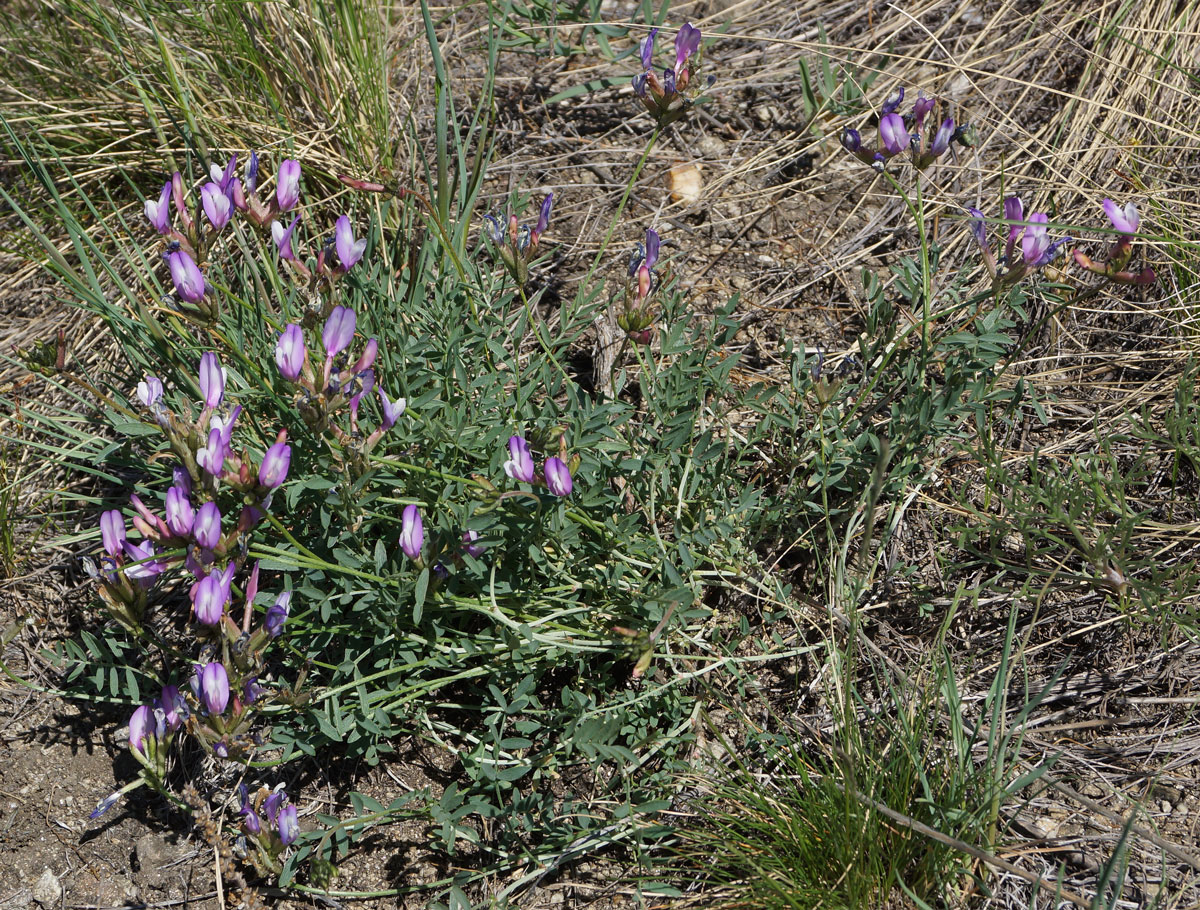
x,y
159,213
112,531
186,276
141,723
210,597
212,380
150,391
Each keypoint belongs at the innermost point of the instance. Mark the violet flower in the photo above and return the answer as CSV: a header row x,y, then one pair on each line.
x,y
212,380
150,391
213,687
349,250
275,464
186,276
391,409
338,331
112,531
412,532
180,514
146,567
277,614
217,205
211,596
290,353
288,823
211,456
1124,220
893,133
250,819
287,189
543,221
141,723
159,213
173,707
283,238
558,477
519,465
1014,214
469,546
207,526
687,42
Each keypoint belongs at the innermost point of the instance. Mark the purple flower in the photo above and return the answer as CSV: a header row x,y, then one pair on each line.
x,y
639,84
213,687
941,139
1014,213
252,691
978,226
250,174
250,820
274,468
287,189
1035,241
349,250
104,805
143,554
288,823
921,108
338,331
283,238
1126,219
182,479
647,49
469,546
207,526
180,514
212,380
189,282
367,359
173,707
159,213
278,613
141,723
211,596
893,133
212,456
150,391
851,139
223,176
687,42
412,532
273,804
892,101
112,531
391,409
216,204
558,477
543,221
520,462
652,245
290,353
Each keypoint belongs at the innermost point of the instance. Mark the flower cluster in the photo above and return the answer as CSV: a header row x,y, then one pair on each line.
x,y
515,243
667,98
1115,268
1037,249
325,389
899,133
220,198
638,316
282,827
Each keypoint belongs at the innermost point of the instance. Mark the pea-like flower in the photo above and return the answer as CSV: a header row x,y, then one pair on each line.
x,y
212,687
211,456
283,238
664,98
287,188
180,514
112,532
558,477
519,465
150,391
159,213
277,614
141,724
349,250
250,820
211,596
142,565
212,380
1115,268
412,532
217,205
207,526
173,707
543,221
338,331
288,823
290,352
275,464
1037,248
1125,220
893,133
186,276
469,546
391,409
